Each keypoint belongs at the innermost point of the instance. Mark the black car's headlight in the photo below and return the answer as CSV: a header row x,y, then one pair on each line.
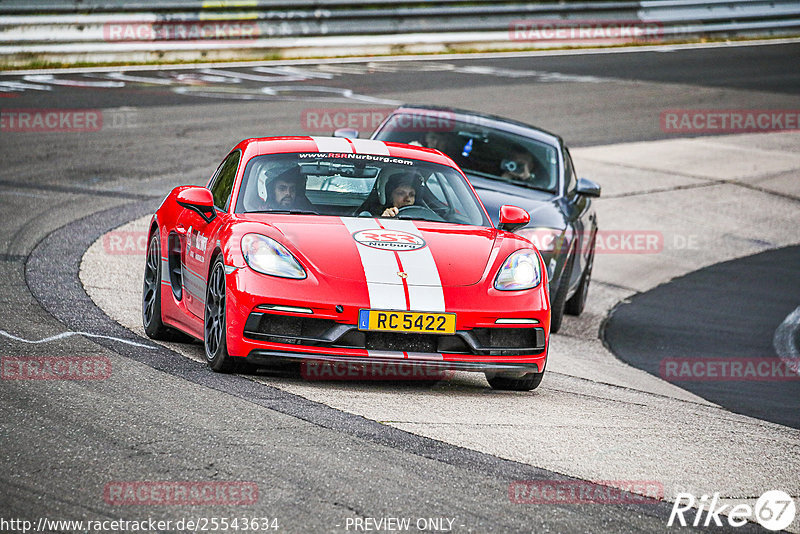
x,y
521,270
267,256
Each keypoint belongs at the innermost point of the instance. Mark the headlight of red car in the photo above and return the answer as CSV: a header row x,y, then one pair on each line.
x,y
520,271
267,256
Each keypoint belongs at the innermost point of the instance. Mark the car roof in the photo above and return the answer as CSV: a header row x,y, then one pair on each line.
x,y
491,121
258,146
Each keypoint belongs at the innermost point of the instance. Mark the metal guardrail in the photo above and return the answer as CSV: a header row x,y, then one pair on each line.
x,y
67,31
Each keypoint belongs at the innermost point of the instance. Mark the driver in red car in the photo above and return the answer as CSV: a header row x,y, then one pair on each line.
x,y
287,191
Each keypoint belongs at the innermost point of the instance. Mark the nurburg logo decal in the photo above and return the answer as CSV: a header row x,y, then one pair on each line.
x,y
389,240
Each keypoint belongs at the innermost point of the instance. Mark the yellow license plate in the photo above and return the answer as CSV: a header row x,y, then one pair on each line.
x,y
402,321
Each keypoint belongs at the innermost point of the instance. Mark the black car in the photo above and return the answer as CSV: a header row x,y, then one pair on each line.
x,y
509,162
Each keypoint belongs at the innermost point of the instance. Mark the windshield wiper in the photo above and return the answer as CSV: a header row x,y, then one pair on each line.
x,y
290,212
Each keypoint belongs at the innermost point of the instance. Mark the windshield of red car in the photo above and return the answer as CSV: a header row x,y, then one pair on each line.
x,y
478,149
357,185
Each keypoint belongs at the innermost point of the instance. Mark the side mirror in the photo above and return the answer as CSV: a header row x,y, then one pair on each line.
x,y
513,218
349,133
199,200
587,188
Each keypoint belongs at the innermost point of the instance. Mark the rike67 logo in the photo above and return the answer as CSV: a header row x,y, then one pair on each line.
x,y
775,510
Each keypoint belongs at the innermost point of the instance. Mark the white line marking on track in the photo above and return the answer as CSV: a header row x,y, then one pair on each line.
x,y
64,335
784,341
51,80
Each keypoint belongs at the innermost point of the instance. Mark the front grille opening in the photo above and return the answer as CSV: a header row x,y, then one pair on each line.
x,y
326,332
401,342
293,326
287,328
508,338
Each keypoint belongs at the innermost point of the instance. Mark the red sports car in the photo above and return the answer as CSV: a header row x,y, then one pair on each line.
x,y
322,249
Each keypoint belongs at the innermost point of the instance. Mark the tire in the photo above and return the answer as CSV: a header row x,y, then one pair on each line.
x,y
527,382
151,296
214,325
577,303
558,303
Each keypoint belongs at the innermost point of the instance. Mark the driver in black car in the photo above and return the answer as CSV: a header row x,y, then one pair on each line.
x,y
401,191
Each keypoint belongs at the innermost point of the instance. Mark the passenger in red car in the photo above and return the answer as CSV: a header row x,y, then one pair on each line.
x,y
401,191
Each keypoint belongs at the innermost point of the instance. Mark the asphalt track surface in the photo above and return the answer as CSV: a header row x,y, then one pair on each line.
x,y
728,309
163,417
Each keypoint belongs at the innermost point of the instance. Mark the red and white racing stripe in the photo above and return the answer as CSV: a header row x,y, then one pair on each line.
x,y
421,287
349,146
370,146
333,144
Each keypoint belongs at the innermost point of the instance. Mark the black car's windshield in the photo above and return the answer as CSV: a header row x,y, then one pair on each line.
x,y
357,185
480,150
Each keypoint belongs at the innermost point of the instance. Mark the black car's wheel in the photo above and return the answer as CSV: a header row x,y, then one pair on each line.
x,y
214,336
559,300
151,294
577,302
